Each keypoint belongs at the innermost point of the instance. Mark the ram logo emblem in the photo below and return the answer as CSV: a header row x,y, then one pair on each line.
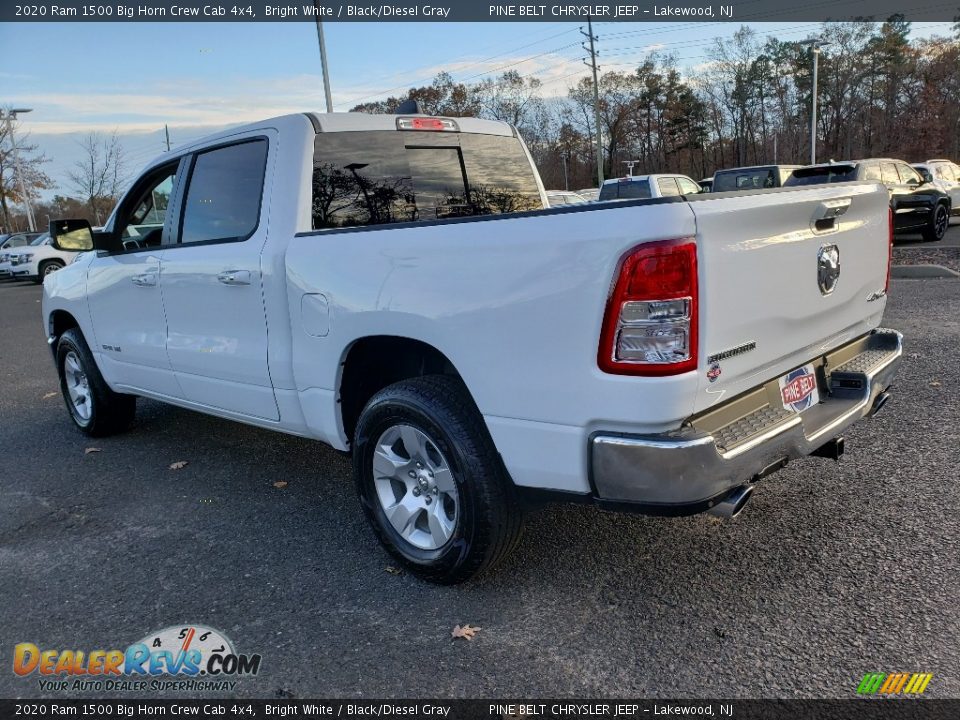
x,y
828,268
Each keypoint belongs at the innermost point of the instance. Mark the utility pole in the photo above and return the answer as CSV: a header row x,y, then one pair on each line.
x,y
596,96
323,57
815,45
167,131
11,115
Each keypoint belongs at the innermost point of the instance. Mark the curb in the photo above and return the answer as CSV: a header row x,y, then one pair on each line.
x,y
922,272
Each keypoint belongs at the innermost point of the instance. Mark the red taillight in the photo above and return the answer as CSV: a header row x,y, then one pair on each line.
x,y
650,325
886,287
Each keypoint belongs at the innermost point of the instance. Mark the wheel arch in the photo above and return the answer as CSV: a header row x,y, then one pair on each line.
x,y
373,362
58,322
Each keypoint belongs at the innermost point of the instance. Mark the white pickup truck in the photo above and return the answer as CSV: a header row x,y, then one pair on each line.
x,y
395,287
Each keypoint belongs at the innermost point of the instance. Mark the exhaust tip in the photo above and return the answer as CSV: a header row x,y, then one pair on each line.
x,y
878,404
733,503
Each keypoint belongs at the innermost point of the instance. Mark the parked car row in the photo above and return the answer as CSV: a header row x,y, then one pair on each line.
x,y
922,196
33,259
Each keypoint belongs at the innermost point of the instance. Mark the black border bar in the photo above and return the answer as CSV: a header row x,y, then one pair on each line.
x,y
673,11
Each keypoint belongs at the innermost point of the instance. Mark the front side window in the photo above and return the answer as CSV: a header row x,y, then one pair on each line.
x,y
383,177
668,187
907,174
223,199
142,226
688,187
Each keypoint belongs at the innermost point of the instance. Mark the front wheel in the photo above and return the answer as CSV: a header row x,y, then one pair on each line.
x,y
431,482
938,224
94,407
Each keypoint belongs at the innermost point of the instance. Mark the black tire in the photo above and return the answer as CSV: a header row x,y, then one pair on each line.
x,y
108,412
489,516
47,267
937,227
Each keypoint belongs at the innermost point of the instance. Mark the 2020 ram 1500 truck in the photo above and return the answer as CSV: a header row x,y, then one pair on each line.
x,y
395,287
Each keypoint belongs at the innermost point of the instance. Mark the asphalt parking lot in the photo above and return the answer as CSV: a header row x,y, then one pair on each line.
x,y
830,572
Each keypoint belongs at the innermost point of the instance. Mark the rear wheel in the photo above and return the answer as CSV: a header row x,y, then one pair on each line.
x,y
938,224
431,482
94,407
48,267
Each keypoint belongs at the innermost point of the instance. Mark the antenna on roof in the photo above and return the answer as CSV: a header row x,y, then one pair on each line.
x,y
409,107
630,164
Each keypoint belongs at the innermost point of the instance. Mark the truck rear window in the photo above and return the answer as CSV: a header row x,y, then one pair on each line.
x,y
626,190
381,177
755,179
821,174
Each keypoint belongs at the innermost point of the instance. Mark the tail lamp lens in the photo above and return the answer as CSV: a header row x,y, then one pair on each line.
x,y
650,326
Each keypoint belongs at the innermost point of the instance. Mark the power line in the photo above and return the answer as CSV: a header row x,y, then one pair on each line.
x,y
408,84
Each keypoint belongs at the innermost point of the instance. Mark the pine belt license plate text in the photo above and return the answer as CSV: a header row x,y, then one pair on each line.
x,y
798,389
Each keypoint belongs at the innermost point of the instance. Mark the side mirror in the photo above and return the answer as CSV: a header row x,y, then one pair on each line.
x,y
71,235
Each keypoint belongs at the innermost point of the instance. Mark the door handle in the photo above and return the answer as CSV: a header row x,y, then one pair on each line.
x,y
831,209
825,216
147,279
234,277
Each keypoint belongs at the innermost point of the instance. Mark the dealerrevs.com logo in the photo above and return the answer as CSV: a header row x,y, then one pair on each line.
x,y
186,657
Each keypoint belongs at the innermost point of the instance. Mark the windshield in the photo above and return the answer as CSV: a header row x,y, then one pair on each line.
x,y
626,189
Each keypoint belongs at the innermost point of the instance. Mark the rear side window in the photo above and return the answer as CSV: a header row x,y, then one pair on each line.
x,y
872,172
626,189
383,177
223,198
888,174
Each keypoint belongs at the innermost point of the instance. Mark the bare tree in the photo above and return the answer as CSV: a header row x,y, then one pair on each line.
x,y
31,164
100,176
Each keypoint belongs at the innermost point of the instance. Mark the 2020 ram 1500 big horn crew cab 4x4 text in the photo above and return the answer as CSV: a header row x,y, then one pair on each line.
x,y
394,286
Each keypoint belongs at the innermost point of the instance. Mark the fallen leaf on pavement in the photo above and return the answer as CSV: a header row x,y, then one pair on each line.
x,y
467,631
934,383
280,484
50,395
393,570
91,450
179,465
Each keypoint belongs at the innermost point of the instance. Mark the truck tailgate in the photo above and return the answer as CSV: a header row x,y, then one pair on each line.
x,y
763,311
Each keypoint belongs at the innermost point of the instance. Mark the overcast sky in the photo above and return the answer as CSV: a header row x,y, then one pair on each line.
x,y
196,77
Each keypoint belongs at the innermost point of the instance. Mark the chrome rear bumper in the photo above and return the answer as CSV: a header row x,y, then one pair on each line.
x,y
695,467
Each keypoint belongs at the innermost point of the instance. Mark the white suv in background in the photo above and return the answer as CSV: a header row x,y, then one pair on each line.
x,y
38,259
10,242
946,176
642,187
